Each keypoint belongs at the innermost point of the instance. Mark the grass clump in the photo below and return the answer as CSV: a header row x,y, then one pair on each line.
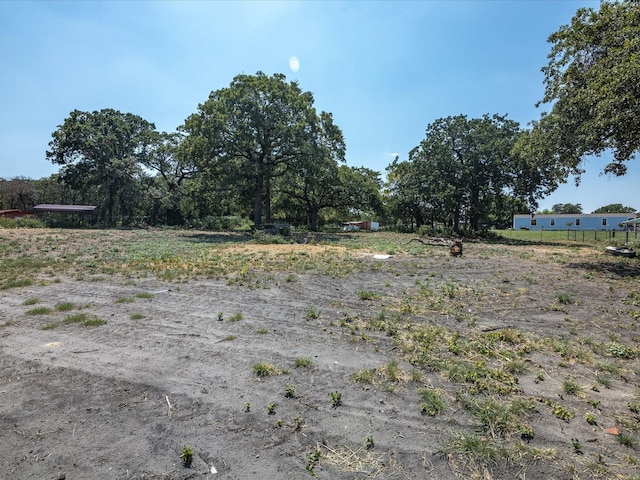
x,y
433,401
31,301
367,295
145,295
264,369
65,306
124,300
39,311
136,316
303,362
571,386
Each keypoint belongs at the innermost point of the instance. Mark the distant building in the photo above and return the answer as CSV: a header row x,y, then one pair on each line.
x,y
360,225
569,221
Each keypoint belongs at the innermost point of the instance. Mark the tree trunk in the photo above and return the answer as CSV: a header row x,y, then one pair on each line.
x,y
257,200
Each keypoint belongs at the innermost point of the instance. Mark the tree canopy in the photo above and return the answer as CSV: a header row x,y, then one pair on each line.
x,y
99,153
256,129
459,173
592,83
615,208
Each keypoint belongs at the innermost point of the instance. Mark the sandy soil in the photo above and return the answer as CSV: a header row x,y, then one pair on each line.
x,y
121,400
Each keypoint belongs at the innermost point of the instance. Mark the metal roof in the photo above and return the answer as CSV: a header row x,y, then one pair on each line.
x,y
63,208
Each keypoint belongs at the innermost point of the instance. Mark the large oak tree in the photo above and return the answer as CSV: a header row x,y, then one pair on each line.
x,y
251,133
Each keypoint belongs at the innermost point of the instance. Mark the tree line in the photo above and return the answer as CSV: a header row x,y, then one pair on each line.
x,y
259,149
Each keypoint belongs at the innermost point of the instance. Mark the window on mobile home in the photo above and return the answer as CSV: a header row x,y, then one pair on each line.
x,y
604,222
534,222
577,222
553,222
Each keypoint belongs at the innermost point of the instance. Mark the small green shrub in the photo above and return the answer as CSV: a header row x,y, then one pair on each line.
x,y
136,316
236,317
336,399
187,456
290,390
31,301
564,298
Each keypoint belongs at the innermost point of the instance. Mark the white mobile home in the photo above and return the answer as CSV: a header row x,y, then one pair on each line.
x,y
567,221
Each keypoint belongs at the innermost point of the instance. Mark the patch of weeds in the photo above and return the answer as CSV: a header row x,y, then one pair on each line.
x,y
392,371
577,447
571,386
619,350
368,442
433,401
336,398
236,317
39,311
136,316
31,301
626,440
449,290
558,410
186,456
16,283
145,295
474,446
603,380
290,278
50,326
312,314
264,369
497,417
367,295
93,322
290,391
247,407
303,362
65,306
76,318
228,338
565,299
590,419
365,375
515,366
312,462
262,331
271,408
125,300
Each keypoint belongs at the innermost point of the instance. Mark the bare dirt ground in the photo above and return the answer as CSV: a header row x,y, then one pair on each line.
x,y
175,365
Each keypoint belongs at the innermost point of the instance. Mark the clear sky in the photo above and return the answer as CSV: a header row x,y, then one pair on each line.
x,y
385,69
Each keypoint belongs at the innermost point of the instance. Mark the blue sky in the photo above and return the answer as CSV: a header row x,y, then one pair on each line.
x,y
384,69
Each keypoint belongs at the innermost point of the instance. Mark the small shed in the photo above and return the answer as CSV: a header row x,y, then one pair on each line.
x,y
51,208
14,213
360,225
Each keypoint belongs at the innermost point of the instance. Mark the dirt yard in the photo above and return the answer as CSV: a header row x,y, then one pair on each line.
x,y
294,372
